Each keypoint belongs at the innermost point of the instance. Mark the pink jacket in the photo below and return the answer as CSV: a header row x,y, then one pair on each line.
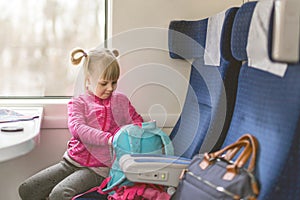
x,y
92,121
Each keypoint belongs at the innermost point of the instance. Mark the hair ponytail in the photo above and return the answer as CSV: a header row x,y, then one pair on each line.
x,y
75,59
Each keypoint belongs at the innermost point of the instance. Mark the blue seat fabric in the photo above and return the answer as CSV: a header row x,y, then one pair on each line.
x,y
268,107
201,109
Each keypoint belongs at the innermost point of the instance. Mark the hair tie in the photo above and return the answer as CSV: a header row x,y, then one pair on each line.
x,y
84,54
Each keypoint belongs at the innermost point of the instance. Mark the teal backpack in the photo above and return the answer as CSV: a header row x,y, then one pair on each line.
x,y
143,138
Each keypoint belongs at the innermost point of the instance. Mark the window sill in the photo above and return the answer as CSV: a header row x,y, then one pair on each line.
x,y
55,112
17,143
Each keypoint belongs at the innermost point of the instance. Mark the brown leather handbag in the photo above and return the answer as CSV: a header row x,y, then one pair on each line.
x,y
215,176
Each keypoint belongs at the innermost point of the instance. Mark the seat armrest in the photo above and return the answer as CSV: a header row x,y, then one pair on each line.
x,y
155,169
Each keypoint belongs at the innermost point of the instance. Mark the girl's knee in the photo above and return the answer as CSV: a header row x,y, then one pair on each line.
x,y
22,190
61,193
25,191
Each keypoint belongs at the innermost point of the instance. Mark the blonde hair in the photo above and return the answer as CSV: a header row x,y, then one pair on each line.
x,y
97,63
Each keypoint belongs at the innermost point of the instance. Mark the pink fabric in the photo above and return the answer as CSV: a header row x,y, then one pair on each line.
x,y
89,191
92,121
103,185
98,189
140,191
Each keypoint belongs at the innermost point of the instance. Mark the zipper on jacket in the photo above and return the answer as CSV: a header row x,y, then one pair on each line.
x,y
105,119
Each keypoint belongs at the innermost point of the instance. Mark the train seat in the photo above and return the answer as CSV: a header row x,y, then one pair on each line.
x,y
267,106
209,102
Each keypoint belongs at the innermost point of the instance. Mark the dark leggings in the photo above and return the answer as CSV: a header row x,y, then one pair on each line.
x,y
59,182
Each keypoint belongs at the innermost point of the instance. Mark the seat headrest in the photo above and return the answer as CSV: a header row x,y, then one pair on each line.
x,y
240,31
187,38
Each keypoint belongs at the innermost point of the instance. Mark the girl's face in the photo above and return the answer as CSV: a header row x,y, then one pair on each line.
x,y
105,88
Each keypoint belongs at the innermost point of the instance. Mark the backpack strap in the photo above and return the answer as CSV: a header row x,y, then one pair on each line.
x,y
136,133
169,150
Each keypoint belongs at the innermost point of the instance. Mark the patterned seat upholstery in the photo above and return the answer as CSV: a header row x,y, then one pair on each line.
x,y
211,93
268,106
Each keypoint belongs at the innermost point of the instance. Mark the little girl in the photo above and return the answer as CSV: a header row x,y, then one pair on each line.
x,y
94,118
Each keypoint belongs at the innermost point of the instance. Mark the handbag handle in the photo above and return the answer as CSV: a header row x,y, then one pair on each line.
x,y
251,150
210,157
231,153
254,144
250,145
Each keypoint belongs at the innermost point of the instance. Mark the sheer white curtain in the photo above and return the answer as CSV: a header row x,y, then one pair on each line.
x,y
36,38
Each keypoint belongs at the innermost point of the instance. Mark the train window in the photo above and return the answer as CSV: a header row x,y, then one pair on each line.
x,y
36,39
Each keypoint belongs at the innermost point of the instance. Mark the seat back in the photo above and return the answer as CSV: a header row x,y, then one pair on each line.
x,y
268,107
211,92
